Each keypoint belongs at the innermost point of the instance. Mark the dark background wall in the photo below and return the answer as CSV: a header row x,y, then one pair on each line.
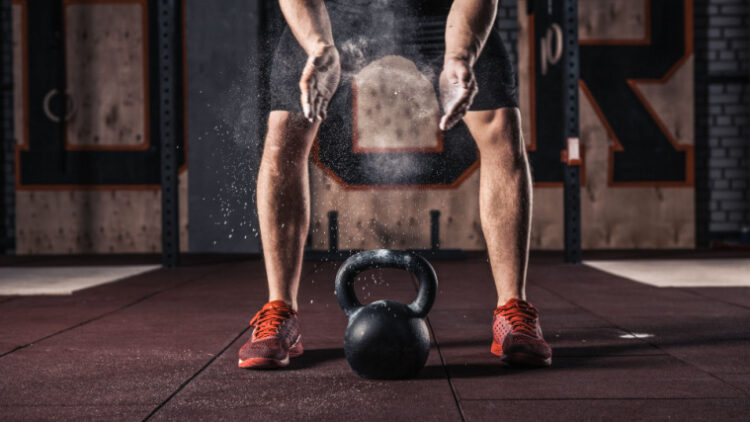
x,y
224,126
722,115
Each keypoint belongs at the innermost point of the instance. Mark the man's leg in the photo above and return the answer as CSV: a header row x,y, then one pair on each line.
x,y
283,196
283,210
504,197
505,213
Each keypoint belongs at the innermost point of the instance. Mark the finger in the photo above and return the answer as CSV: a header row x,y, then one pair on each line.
x,y
443,123
306,86
304,98
454,118
461,95
318,102
312,94
450,120
324,109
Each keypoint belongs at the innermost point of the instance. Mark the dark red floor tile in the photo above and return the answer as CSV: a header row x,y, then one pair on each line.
x,y
645,377
609,410
579,342
126,363
739,381
319,385
726,357
140,354
74,413
28,319
311,398
734,295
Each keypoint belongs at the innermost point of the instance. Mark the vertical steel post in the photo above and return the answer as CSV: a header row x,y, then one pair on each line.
x,y
333,231
434,229
572,172
7,140
168,45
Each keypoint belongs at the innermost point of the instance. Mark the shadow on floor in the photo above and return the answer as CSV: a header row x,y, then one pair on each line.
x,y
315,357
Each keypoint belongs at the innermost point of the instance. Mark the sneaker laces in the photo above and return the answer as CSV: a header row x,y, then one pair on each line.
x,y
521,316
269,319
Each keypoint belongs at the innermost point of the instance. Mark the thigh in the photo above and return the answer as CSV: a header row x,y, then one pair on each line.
x,y
496,77
286,69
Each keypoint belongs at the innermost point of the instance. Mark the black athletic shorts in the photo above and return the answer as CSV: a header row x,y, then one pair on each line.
x,y
414,29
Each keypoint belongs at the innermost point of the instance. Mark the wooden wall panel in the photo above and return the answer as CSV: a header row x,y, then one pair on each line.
x,y
396,107
107,78
395,218
111,113
613,216
106,74
612,19
617,217
628,217
93,221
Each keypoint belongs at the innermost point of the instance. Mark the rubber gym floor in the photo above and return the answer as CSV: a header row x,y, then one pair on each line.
x,y
163,346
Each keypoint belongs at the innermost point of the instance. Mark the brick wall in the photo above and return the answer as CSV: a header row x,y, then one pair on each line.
x,y
722,95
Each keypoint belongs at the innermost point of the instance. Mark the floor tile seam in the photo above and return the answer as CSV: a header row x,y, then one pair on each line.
x,y
109,313
635,355
747,393
732,398
454,392
147,405
652,344
184,384
692,291
196,374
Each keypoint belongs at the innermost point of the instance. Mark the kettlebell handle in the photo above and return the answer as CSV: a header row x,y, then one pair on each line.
x,y
386,258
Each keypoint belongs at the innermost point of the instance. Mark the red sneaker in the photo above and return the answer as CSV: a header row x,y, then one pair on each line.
x,y
276,337
517,336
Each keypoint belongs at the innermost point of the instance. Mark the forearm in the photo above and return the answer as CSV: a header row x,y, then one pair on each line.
x,y
469,24
309,22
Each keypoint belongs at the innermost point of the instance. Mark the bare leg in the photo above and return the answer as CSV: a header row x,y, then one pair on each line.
x,y
505,197
284,201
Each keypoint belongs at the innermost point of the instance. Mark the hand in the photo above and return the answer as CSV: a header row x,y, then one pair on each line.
x,y
457,90
319,81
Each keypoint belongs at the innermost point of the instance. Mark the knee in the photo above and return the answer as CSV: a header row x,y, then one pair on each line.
x,y
498,137
289,138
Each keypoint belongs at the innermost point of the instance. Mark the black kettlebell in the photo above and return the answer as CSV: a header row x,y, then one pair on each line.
x,y
386,339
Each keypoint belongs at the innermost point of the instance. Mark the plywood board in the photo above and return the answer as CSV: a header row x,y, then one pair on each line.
x,y
395,108
617,217
93,221
615,20
106,78
395,218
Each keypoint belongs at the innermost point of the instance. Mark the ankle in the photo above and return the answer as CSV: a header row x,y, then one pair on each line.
x,y
504,299
289,301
